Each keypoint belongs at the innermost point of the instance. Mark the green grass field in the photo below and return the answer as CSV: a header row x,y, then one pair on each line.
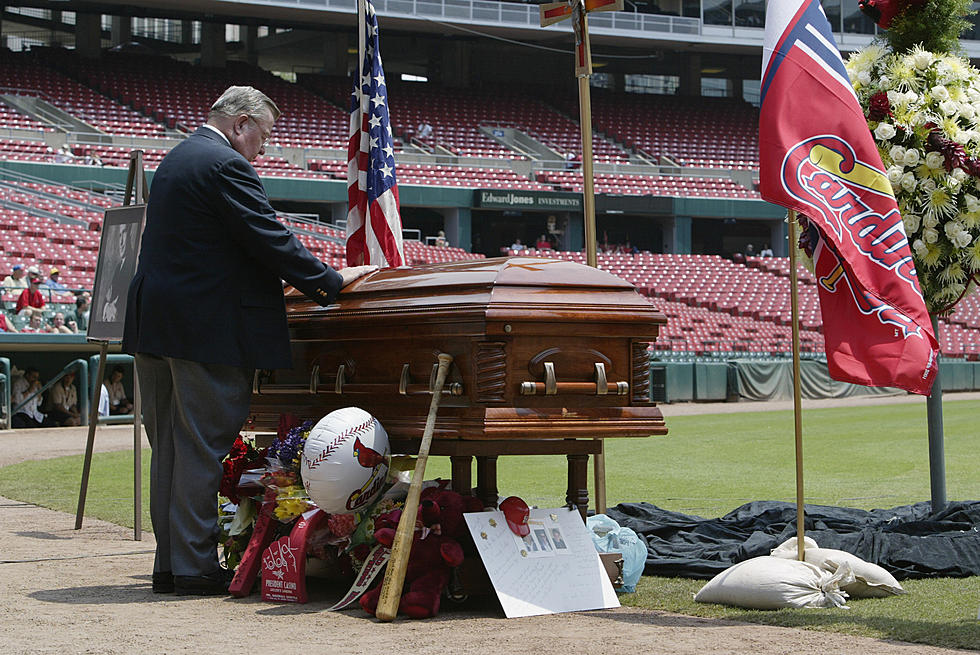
x,y
866,457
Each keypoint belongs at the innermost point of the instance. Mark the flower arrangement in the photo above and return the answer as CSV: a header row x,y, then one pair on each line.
x,y
345,540
921,102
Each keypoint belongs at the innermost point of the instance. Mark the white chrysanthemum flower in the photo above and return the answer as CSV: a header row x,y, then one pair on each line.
x,y
952,228
930,235
908,182
953,274
971,256
921,58
972,203
912,223
912,157
897,154
940,93
920,248
934,159
949,107
940,204
885,131
961,137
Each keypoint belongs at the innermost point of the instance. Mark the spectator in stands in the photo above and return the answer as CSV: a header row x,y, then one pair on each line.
x,y
54,281
543,243
82,309
93,159
213,253
58,325
570,160
64,154
441,241
766,251
23,384
16,280
424,131
118,402
30,298
517,245
6,324
750,250
35,322
64,403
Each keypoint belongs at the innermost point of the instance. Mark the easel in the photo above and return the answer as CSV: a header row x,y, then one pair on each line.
x,y
136,193
577,11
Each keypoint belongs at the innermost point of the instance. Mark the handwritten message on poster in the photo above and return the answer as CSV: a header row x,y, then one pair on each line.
x,y
555,568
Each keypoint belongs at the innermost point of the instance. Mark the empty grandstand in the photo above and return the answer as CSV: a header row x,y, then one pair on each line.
x,y
499,160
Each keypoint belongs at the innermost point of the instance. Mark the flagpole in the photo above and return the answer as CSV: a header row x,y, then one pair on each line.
x,y
588,210
361,27
797,406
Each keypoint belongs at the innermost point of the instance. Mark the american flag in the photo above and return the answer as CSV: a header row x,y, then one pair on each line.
x,y
374,224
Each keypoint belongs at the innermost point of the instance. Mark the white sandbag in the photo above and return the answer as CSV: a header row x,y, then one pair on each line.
x,y
870,580
769,583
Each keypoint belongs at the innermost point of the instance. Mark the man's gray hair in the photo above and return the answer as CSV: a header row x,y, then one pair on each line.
x,y
237,100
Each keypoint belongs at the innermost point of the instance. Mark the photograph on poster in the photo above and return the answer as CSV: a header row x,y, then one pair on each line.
x,y
557,539
118,252
542,536
535,543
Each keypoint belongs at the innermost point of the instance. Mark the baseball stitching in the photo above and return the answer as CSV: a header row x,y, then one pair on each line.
x,y
338,441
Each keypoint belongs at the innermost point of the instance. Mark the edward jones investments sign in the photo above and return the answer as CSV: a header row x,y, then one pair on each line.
x,y
528,200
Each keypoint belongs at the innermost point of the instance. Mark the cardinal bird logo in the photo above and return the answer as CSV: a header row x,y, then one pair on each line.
x,y
367,457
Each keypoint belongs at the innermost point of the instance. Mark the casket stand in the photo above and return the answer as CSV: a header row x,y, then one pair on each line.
x,y
549,357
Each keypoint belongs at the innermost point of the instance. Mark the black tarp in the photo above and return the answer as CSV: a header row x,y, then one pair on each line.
x,y
909,541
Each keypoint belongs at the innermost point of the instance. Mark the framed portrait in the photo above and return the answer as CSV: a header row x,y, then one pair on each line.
x,y
122,230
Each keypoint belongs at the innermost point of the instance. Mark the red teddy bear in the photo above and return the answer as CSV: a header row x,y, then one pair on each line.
x,y
435,550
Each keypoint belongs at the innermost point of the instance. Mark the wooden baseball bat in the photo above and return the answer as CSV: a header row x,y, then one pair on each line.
x,y
401,548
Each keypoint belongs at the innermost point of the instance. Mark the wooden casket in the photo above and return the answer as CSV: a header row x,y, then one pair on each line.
x,y
548,357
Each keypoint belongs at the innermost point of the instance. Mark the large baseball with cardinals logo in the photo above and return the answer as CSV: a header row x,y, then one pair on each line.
x,y
345,461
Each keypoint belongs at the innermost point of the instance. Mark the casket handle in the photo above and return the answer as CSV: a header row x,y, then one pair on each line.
x,y
550,379
552,387
403,381
315,379
338,386
601,385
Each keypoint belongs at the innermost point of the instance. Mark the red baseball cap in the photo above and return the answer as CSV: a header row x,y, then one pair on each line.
x,y
516,512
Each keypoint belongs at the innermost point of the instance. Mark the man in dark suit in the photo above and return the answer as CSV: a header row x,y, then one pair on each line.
x,y
204,310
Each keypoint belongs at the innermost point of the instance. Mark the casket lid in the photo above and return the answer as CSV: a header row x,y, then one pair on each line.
x,y
528,286
500,271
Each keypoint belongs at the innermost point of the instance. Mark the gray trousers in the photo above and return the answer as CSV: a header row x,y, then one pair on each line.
x,y
192,413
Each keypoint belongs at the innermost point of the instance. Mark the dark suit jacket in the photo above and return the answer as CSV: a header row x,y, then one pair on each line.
x,y
207,286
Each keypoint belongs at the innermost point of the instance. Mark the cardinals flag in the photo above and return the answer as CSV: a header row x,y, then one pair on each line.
x,y
374,223
817,156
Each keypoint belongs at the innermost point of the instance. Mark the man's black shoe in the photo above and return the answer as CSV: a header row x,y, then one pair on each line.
x,y
213,584
163,582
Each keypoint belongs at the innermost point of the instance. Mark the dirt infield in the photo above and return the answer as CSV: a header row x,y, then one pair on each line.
x,y
88,591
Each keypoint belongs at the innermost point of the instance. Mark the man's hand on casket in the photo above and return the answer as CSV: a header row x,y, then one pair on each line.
x,y
351,273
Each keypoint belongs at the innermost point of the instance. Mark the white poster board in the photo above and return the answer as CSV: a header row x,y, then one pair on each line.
x,y
556,568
